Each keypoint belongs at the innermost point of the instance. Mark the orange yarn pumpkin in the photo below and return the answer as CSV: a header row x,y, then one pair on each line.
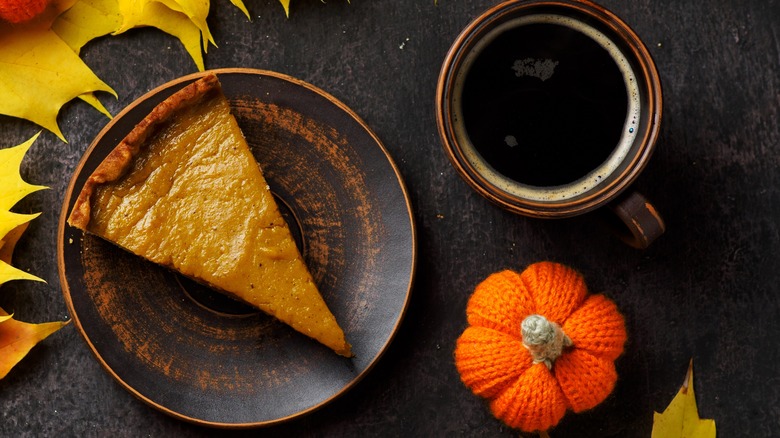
x,y
495,363
19,11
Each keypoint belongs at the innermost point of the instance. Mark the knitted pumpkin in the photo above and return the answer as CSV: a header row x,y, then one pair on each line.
x,y
538,345
19,11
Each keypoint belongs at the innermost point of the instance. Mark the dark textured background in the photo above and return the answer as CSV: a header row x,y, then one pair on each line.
x,y
708,290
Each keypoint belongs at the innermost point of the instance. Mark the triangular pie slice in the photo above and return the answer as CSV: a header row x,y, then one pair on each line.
x,y
183,190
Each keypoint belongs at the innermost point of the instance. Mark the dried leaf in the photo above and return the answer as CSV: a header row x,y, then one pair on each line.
x,y
87,20
286,6
195,10
12,189
18,338
174,23
240,5
8,244
10,220
92,100
39,74
183,19
681,418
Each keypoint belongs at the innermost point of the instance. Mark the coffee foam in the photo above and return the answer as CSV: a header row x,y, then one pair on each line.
x,y
597,175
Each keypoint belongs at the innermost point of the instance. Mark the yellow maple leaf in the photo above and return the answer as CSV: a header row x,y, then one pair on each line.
x,y
18,338
8,272
286,6
195,10
240,5
176,23
92,100
39,73
38,76
87,20
12,189
90,19
8,243
681,418
183,19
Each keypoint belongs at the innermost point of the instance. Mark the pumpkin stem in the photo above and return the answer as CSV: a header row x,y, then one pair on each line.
x,y
545,340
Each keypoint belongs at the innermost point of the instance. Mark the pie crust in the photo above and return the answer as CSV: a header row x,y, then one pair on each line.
x,y
183,190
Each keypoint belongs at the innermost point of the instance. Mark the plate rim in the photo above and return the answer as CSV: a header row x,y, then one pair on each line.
x,y
68,198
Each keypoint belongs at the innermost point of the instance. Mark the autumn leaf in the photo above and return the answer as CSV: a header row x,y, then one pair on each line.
x,y
92,100
8,272
12,189
8,243
240,5
175,23
681,418
286,6
40,68
90,19
195,10
18,338
87,20
39,73
183,19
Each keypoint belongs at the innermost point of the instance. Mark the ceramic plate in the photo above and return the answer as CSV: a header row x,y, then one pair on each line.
x,y
198,356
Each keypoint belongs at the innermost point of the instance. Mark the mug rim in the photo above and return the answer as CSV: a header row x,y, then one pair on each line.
x,y
633,49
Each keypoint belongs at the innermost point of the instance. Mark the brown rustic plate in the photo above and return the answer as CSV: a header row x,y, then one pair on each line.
x,y
203,358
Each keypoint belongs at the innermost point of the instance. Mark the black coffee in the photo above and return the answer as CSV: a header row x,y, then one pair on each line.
x,y
545,104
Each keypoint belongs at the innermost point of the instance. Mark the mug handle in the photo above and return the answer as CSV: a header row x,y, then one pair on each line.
x,y
639,224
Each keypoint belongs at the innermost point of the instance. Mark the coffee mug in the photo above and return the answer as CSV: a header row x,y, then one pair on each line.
x,y
552,109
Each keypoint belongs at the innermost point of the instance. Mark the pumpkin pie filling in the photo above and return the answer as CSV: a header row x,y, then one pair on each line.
x,y
183,190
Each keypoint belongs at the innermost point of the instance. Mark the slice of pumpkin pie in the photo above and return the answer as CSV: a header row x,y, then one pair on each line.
x,y
183,190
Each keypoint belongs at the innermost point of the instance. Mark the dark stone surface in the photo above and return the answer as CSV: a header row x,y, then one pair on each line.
x,y
707,290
